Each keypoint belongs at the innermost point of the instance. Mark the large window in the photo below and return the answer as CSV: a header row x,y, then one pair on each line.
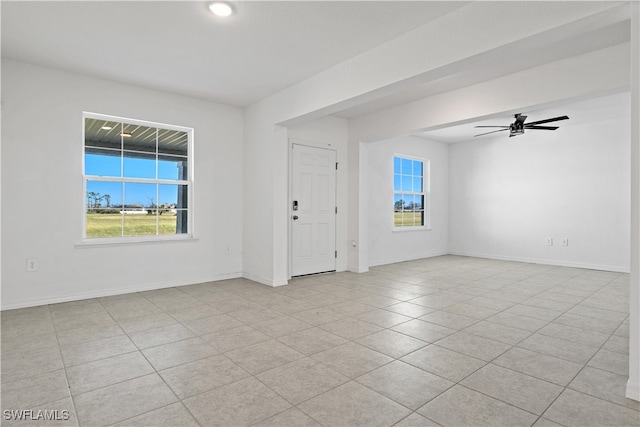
x,y
137,179
410,192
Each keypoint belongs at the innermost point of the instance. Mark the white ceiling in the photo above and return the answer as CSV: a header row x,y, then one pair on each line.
x,y
181,47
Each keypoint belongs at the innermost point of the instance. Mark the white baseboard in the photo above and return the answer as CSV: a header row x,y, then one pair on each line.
x,y
633,391
357,269
265,281
404,258
614,268
119,291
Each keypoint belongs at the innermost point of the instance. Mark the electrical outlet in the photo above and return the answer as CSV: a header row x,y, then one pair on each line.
x,y
565,242
549,241
32,265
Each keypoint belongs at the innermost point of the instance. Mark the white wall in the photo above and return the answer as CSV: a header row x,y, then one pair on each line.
x,y
43,200
506,195
260,149
330,132
385,245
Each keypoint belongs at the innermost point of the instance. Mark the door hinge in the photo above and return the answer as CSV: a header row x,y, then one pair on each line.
x,y
336,165
336,210
336,254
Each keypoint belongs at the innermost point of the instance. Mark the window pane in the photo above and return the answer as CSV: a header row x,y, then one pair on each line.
x,y
99,162
103,194
407,219
398,202
170,167
409,202
140,224
172,142
397,183
417,168
167,222
405,201
407,167
173,196
139,197
407,183
419,202
104,223
417,185
397,161
139,138
102,133
104,201
139,165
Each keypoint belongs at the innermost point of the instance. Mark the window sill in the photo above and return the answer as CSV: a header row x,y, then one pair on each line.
x,y
128,241
405,229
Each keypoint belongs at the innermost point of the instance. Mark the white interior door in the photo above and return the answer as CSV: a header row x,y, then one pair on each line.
x,y
313,210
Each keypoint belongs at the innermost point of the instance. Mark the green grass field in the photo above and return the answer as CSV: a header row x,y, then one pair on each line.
x,y
110,225
407,219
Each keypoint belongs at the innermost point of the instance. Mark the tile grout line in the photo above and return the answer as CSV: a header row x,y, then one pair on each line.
x,y
64,367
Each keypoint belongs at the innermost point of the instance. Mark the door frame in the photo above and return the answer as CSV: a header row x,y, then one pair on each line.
x,y
311,144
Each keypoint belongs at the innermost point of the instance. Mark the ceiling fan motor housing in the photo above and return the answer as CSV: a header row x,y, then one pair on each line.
x,y
516,129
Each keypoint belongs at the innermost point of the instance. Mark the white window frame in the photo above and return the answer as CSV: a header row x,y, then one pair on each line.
x,y
189,235
426,193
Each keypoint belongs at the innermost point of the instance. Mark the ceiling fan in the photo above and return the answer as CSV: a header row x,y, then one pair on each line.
x,y
518,127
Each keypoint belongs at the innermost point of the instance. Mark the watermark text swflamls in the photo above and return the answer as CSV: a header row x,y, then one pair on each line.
x,y
35,415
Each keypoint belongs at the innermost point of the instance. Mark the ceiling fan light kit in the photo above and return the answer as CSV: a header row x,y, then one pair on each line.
x,y
519,126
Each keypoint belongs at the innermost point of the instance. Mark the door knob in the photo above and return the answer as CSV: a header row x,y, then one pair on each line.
x,y
295,217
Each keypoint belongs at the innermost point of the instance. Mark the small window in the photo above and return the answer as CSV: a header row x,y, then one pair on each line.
x,y
137,179
410,192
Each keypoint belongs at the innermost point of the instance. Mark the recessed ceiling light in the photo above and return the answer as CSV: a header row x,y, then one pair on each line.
x,y
126,134
106,128
221,9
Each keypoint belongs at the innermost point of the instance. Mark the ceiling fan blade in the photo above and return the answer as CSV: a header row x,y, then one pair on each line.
x,y
506,127
493,131
555,119
541,127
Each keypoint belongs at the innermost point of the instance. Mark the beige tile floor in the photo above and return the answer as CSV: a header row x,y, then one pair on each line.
x,y
441,341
